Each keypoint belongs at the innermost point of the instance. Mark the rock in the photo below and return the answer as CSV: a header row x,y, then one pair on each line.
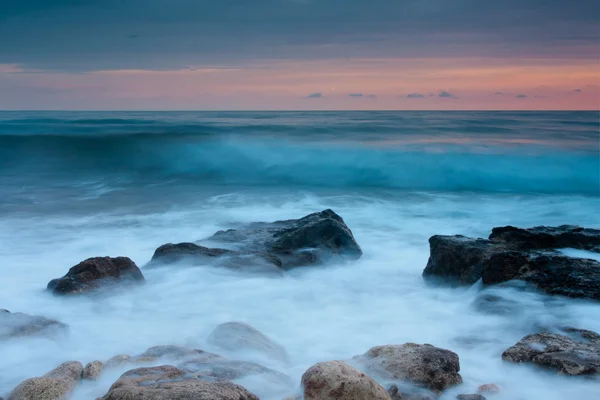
x,y
336,380
96,273
568,356
222,369
514,254
556,275
269,246
470,397
93,370
169,382
14,325
238,336
55,385
488,388
457,259
118,360
548,237
423,365
394,393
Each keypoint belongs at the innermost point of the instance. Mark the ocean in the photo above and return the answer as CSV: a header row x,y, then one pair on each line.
x,y
80,184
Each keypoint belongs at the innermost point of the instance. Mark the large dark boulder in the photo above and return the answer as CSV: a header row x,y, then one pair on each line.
x,y
96,273
576,354
310,240
13,325
548,237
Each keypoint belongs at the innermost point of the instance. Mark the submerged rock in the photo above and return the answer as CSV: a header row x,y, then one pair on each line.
x,y
513,253
548,237
423,365
169,382
310,240
238,336
55,385
93,370
13,325
96,273
470,397
490,388
335,380
577,355
117,361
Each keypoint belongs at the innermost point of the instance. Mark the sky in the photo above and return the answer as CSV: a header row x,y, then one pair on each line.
x,y
300,54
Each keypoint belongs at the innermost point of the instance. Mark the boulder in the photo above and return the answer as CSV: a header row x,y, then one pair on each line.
x,y
488,388
169,382
518,254
310,240
55,385
117,361
470,397
96,273
422,365
578,354
93,370
14,325
336,380
547,237
238,336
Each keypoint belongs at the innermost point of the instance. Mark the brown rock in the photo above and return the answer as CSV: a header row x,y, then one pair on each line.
x,y
168,382
118,360
488,388
55,385
96,273
568,356
93,370
423,365
238,336
336,380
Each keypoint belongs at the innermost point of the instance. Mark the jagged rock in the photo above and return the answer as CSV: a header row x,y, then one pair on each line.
x,y
576,355
93,370
279,245
118,360
14,325
96,273
548,237
55,385
513,253
423,365
470,397
334,380
169,382
238,336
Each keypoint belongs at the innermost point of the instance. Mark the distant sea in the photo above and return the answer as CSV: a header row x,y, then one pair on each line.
x,y
79,184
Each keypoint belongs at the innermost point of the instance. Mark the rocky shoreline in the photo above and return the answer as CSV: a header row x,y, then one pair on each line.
x,y
410,371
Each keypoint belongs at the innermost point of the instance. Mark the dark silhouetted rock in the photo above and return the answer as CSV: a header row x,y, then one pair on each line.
x,y
96,273
548,237
423,365
169,382
93,370
576,355
238,336
457,259
13,325
55,385
335,380
470,397
269,246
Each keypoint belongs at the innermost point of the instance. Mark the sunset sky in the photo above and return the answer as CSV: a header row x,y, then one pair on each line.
x,y
299,54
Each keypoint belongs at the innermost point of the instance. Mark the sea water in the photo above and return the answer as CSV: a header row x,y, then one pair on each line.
x,y
75,185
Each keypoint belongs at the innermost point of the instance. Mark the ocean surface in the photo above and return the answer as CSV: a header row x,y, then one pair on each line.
x,y
79,184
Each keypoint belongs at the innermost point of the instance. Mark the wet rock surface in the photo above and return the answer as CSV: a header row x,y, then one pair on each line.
x,y
310,240
334,380
55,385
422,365
575,354
97,273
238,336
169,382
519,254
14,325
